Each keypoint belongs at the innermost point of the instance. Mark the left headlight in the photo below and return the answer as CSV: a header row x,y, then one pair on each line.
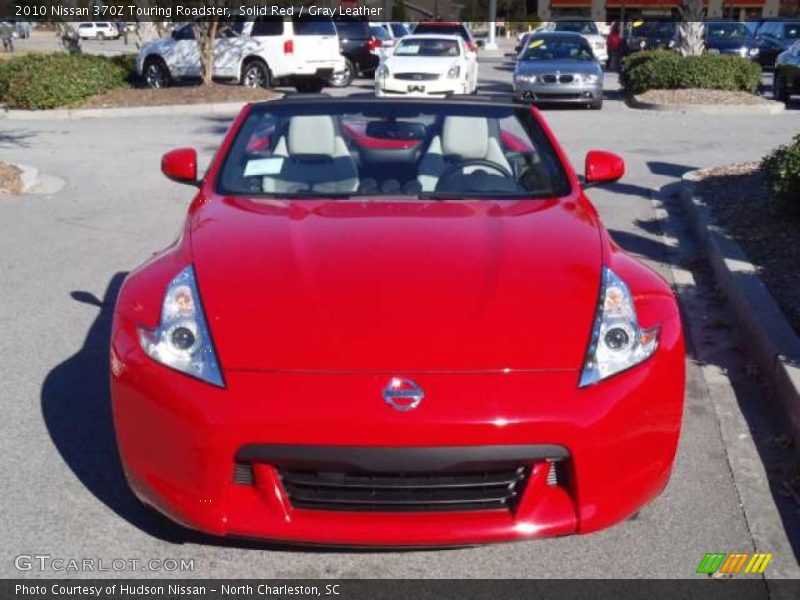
x,y
182,340
618,343
382,72
454,72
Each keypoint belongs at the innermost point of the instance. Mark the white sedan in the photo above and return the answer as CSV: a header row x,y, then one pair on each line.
x,y
427,65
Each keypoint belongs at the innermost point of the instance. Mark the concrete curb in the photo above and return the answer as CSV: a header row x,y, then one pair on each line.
x,y
220,108
775,345
773,108
747,469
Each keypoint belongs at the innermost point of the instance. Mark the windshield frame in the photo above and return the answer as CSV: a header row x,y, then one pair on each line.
x,y
565,181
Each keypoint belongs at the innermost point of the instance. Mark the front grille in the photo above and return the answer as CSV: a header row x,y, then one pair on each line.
x,y
394,492
416,76
557,78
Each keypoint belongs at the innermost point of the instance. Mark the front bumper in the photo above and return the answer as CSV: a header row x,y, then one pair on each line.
x,y
567,93
441,87
183,441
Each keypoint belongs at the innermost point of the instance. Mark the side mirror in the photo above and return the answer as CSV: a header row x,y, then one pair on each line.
x,y
181,165
602,167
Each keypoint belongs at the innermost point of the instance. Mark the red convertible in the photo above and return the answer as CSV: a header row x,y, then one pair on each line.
x,y
395,323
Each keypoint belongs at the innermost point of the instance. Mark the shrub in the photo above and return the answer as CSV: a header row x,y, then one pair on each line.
x,y
661,70
38,81
782,174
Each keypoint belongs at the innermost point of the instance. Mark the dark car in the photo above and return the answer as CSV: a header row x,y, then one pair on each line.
x,y
650,35
786,79
357,44
730,37
773,38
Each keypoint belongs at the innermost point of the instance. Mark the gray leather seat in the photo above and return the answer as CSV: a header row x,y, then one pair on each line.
x,y
463,138
315,158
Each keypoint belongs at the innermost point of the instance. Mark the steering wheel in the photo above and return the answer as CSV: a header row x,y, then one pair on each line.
x,y
472,162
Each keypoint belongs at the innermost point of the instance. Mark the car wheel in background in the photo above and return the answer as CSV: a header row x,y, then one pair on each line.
x,y
779,90
101,36
597,104
344,78
255,74
156,74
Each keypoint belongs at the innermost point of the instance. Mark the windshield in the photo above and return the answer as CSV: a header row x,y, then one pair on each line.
x,y
654,29
562,48
441,28
420,150
427,47
582,27
726,31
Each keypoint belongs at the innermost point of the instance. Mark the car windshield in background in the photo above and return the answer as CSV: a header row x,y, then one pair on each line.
x,y
380,33
562,48
427,47
654,29
582,27
353,29
408,149
726,31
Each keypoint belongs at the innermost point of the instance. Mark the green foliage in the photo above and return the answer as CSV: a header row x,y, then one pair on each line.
x,y
40,81
663,70
782,174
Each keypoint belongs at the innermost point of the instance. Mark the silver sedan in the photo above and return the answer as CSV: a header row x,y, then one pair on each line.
x,y
558,67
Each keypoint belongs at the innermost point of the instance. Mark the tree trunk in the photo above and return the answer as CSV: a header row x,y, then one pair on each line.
x,y
690,30
205,33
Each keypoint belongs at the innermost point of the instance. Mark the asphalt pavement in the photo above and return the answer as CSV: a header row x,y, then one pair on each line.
x,y
63,257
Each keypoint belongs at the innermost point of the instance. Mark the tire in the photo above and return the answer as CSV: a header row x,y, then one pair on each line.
x,y
779,91
596,105
101,36
309,86
345,78
156,74
255,74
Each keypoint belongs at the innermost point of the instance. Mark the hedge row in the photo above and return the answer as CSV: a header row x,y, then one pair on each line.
x,y
39,81
663,70
782,175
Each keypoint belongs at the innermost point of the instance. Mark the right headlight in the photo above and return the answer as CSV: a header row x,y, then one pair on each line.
x,y
525,78
618,343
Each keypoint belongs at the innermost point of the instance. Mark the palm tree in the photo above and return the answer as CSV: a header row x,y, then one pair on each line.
x,y
690,30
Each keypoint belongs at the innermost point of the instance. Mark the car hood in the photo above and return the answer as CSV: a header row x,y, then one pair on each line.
x,y
397,286
413,64
535,67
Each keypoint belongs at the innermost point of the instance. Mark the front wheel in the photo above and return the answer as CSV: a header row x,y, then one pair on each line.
x,y
779,91
596,105
156,74
255,74
101,36
341,79
309,86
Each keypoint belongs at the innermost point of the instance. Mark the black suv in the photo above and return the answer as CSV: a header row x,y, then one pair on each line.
x,y
774,37
357,44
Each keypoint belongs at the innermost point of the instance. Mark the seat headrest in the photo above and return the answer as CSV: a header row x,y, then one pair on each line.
x,y
466,136
314,134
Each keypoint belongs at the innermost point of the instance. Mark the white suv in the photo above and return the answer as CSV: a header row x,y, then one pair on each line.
x,y
97,31
255,53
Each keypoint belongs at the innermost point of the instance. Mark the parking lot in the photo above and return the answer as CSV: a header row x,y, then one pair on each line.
x,y
62,258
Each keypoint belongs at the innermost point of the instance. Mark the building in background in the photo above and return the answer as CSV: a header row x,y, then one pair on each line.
x,y
610,10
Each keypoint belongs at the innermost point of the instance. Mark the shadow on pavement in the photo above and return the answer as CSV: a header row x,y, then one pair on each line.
x,y
76,407
15,138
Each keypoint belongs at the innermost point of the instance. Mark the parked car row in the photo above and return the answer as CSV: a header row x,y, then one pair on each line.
x,y
312,53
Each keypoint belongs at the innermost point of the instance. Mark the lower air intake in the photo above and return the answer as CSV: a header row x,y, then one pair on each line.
x,y
397,492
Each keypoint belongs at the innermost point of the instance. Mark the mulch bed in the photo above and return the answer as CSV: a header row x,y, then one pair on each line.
x,y
698,96
739,203
183,94
10,180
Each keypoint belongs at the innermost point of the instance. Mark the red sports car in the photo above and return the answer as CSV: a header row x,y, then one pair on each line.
x,y
395,323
